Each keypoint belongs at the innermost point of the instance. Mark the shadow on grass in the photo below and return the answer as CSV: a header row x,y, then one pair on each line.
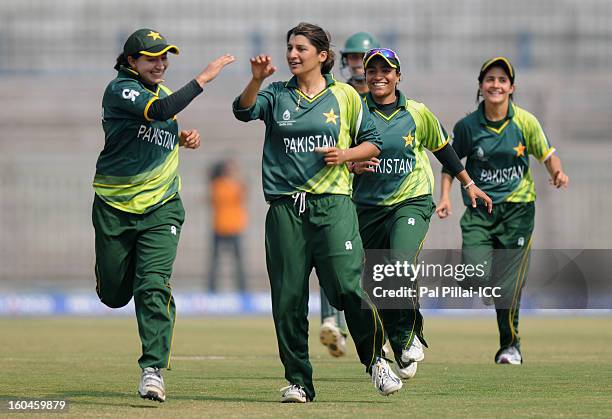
x,y
233,399
241,378
118,399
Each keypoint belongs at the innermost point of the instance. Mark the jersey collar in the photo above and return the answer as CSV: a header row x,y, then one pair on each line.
x,y
372,105
481,114
329,80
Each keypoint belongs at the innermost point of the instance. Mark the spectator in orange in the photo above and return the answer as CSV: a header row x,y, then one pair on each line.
x,y
227,195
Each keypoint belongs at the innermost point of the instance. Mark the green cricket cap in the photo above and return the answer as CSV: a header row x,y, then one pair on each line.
x,y
148,42
502,62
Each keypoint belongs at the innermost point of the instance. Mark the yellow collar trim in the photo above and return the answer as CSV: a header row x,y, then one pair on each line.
x,y
387,118
500,129
299,92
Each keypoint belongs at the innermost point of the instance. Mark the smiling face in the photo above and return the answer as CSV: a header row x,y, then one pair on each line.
x,y
302,56
151,69
496,87
382,80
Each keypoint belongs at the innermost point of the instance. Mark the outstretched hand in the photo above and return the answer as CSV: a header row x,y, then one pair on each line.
x,y
261,67
214,68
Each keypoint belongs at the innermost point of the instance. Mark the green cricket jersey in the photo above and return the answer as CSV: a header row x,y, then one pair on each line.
x,y
296,124
498,156
137,171
404,171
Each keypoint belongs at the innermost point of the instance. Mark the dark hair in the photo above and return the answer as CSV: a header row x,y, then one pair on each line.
x,y
482,75
122,61
319,38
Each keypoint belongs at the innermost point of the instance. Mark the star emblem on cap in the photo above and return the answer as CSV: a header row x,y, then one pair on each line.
x,y
154,35
330,116
520,150
408,139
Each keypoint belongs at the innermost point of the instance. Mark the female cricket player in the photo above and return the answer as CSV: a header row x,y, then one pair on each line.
x,y
314,124
497,139
333,331
137,211
393,192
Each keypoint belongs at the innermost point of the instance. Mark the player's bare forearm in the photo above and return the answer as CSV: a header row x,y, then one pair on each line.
x,y
364,151
444,207
334,156
558,178
446,183
249,94
553,164
463,177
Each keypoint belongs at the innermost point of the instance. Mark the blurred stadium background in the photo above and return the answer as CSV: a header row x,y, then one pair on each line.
x,y
56,58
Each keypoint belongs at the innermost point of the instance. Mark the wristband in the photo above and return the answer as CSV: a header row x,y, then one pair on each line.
x,y
470,183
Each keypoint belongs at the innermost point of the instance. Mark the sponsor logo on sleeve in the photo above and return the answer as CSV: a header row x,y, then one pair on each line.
x,y
130,94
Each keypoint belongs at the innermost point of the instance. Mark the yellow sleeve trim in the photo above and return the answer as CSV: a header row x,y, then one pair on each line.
x,y
547,156
146,109
441,147
165,89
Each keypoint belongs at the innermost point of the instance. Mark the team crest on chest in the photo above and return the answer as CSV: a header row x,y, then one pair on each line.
x,y
408,140
330,116
520,149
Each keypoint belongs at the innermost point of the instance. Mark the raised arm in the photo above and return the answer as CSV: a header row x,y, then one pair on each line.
x,y
261,68
168,107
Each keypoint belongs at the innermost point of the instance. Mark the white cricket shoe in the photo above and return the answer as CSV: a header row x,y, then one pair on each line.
x,y
331,336
407,372
384,379
293,394
509,355
152,385
414,353
386,350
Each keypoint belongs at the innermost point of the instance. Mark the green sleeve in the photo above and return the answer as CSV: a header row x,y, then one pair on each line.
x,y
366,130
261,109
430,130
536,141
462,141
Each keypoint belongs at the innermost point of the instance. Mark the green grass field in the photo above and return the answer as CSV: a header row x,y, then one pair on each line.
x,y
230,367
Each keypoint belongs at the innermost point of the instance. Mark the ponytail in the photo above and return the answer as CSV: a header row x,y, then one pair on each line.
x,y
122,61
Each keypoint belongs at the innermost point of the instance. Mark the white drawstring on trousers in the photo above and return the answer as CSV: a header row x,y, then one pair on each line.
x,y
300,196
